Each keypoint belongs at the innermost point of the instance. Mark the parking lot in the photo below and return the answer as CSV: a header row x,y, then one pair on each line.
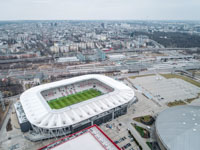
x,y
165,90
119,134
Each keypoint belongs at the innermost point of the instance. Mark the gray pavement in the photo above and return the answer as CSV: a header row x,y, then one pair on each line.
x,y
138,137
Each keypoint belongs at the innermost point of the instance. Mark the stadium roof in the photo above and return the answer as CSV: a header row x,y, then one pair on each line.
x,y
40,114
90,138
179,128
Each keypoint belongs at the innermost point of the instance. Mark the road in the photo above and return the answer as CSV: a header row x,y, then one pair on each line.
x,y
149,49
3,132
138,137
141,141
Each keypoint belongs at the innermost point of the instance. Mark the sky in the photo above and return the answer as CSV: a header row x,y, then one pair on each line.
x,y
99,9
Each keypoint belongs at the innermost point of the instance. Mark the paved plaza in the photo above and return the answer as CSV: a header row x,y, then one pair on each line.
x,y
165,90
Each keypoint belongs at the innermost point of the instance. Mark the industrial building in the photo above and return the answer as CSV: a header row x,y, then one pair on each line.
x,y
116,57
67,59
92,55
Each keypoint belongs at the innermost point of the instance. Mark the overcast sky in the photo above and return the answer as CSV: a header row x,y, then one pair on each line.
x,y
100,9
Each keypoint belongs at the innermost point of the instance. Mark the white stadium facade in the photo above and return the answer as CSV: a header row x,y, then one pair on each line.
x,y
37,117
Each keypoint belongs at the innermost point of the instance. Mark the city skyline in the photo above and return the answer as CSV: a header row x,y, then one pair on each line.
x,y
99,10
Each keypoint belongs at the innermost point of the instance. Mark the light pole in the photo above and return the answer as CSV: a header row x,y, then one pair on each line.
x,y
2,101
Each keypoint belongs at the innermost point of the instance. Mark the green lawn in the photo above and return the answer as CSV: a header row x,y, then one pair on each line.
x,y
176,103
143,132
140,130
145,118
73,99
150,145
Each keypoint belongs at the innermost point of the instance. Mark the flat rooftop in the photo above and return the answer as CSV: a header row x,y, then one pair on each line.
x,y
85,142
89,138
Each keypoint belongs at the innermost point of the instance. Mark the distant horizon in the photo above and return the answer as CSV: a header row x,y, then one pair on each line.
x,y
99,10
95,20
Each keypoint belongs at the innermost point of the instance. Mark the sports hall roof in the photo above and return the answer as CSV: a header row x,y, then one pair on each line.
x,y
179,128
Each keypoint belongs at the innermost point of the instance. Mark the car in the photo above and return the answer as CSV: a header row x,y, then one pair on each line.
x,y
116,142
132,139
120,140
124,146
148,127
127,145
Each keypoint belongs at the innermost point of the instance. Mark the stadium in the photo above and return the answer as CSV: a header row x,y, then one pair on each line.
x,y
178,128
70,105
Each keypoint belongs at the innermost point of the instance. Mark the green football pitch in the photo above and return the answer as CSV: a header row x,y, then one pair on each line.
x,y
73,98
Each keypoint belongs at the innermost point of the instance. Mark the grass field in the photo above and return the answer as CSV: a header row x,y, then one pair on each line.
x,y
143,132
150,145
73,99
176,103
146,118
